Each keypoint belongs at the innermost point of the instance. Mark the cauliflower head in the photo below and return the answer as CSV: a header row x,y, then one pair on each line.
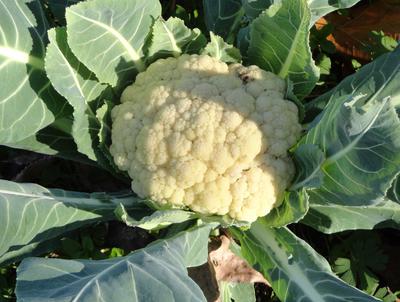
x,y
193,132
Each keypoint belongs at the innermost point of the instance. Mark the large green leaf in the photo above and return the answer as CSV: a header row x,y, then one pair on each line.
x,y
173,37
79,86
32,115
279,42
360,136
295,271
31,214
223,17
27,101
320,8
155,273
332,218
377,79
109,36
362,144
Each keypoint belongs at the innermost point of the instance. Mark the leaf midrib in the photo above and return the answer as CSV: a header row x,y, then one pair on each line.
x,y
171,37
286,66
131,51
296,272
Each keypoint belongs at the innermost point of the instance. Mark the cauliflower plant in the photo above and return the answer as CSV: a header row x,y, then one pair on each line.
x,y
194,132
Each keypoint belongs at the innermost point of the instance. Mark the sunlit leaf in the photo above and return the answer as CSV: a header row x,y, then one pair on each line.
x,y
109,36
155,273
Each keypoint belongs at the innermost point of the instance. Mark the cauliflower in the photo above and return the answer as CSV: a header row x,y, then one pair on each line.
x,y
195,133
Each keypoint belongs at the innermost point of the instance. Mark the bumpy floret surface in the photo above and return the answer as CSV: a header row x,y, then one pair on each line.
x,y
194,132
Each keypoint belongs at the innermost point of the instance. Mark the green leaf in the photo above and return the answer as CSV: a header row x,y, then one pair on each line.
x,y
78,85
109,36
253,8
156,220
31,214
223,17
308,159
164,217
172,38
155,273
53,141
236,292
360,136
375,80
293,208
27,101
116,252
295,271
324,64
279,42
387,296
221,50
320,8
332,218
289,95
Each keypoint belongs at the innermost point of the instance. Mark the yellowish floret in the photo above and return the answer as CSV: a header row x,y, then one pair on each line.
x,y
194,132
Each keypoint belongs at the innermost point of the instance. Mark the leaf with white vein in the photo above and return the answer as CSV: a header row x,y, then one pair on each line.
x,y
384,73
279,42
155,273
155,221
221,50
78,85
308,159
318,8
31,214
394,192
27,101
109,36
360,137
173,37
295,271
333,218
